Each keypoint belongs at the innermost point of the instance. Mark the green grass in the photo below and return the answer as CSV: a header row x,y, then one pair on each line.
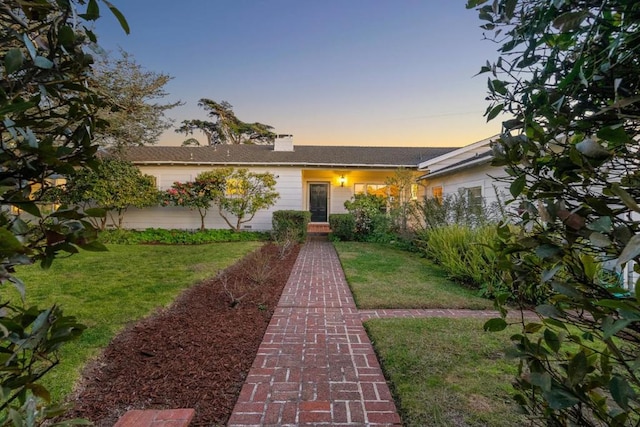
x,y
447,372
107,290
384,277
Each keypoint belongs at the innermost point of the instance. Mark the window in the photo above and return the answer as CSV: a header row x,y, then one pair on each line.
x,y
474,194
436,193
373,189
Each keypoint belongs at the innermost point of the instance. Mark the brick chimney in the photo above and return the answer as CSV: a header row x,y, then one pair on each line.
x,y
283,143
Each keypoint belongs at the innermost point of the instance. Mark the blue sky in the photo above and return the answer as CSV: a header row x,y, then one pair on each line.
x,y
331,72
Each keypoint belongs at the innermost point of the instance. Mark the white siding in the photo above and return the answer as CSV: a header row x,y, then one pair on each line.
x,y
480,176
288,184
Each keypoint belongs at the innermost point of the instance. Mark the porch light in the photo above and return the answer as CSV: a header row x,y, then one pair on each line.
x,y
342,180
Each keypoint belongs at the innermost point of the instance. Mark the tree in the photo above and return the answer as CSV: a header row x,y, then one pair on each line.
x,y
226,128
133,115
47,119
241,193
569,75
195,195
113,185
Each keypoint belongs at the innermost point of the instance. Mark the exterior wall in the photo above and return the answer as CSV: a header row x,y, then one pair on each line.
x,y
482,176
288,185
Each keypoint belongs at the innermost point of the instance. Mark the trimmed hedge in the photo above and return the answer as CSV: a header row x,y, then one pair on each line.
x,y
343,226
289,221
178,237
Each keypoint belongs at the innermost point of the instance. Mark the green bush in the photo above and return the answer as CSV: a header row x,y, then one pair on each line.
x,y
290,223
364,208
342,226
466,255
179,237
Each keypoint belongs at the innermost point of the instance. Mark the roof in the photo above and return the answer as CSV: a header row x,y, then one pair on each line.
x,y
303,155
478,159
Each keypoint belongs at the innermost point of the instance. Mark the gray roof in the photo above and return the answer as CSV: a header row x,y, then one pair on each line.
x,y
303,155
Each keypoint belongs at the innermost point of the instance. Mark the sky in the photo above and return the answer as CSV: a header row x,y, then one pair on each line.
x,y
329,72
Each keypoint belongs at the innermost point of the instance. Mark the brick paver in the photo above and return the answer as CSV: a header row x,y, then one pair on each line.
x,y
316,365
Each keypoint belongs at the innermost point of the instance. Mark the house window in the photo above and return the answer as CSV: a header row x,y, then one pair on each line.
x,y
474,194
414,191
436,193
372,189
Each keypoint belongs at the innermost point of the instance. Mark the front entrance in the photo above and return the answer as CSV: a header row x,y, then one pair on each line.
x,y
318,202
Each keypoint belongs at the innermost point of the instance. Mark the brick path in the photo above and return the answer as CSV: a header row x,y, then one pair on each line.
x,y
316,365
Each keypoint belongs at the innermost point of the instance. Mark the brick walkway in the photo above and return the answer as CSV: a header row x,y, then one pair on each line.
x,y
316,365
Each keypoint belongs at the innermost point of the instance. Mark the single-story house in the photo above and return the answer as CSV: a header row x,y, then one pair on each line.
x,y
314,178
467,169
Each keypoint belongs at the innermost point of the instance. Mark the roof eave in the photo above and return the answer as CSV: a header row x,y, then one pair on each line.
x,y
449,171
289,164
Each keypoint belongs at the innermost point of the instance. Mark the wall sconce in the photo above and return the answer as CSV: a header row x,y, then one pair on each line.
x,y
342,180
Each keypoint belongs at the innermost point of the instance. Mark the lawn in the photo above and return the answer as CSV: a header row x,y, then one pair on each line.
x,y
384,277
447,372
107,290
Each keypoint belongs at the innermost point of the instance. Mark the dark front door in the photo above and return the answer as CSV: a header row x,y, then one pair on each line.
x,y
318,202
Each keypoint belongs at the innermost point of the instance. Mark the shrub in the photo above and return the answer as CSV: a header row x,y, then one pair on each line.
x,y
288,222
466,254
342,226
364,208
178,237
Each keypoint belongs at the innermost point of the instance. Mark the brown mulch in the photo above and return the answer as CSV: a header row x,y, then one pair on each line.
x,y
194,354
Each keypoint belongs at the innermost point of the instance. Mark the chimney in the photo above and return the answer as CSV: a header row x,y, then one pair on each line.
x,y
283,143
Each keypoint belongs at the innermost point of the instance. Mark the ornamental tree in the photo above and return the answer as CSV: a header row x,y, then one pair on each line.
x,y
194,195
241,193
47,120
114,185
569,77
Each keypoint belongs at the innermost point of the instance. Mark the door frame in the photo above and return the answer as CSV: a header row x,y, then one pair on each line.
x,y
325,183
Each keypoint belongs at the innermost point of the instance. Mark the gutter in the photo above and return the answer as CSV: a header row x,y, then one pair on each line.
x,y
449,170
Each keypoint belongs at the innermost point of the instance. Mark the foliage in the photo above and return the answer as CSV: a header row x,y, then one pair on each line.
x,y
446,372
47,120
401,205
113,185
288,222
241,193
568,73
226,128
432,213
179,237
343,226
194,195
134,116
381,276
364,208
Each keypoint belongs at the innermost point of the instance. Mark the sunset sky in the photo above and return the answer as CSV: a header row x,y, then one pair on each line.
x,y
331,72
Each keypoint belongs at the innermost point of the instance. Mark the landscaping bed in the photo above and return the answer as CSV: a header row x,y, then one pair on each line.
x,y
195,353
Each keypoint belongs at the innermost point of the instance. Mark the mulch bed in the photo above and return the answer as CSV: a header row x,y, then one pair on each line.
x,y
194,354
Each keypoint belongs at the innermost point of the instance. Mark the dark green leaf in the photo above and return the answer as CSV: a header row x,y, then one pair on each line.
x,y
626,198
541,379
547,251
578,368
570,21
93,11
67,35
552,340
559,398
518,185
119,16
13,61
615,134
549,310
610,327
509,8
495,325
94,247
621,391
30,207
493,113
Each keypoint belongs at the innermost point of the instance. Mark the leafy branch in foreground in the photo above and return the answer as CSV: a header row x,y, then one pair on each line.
x,y
569,74
47,121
